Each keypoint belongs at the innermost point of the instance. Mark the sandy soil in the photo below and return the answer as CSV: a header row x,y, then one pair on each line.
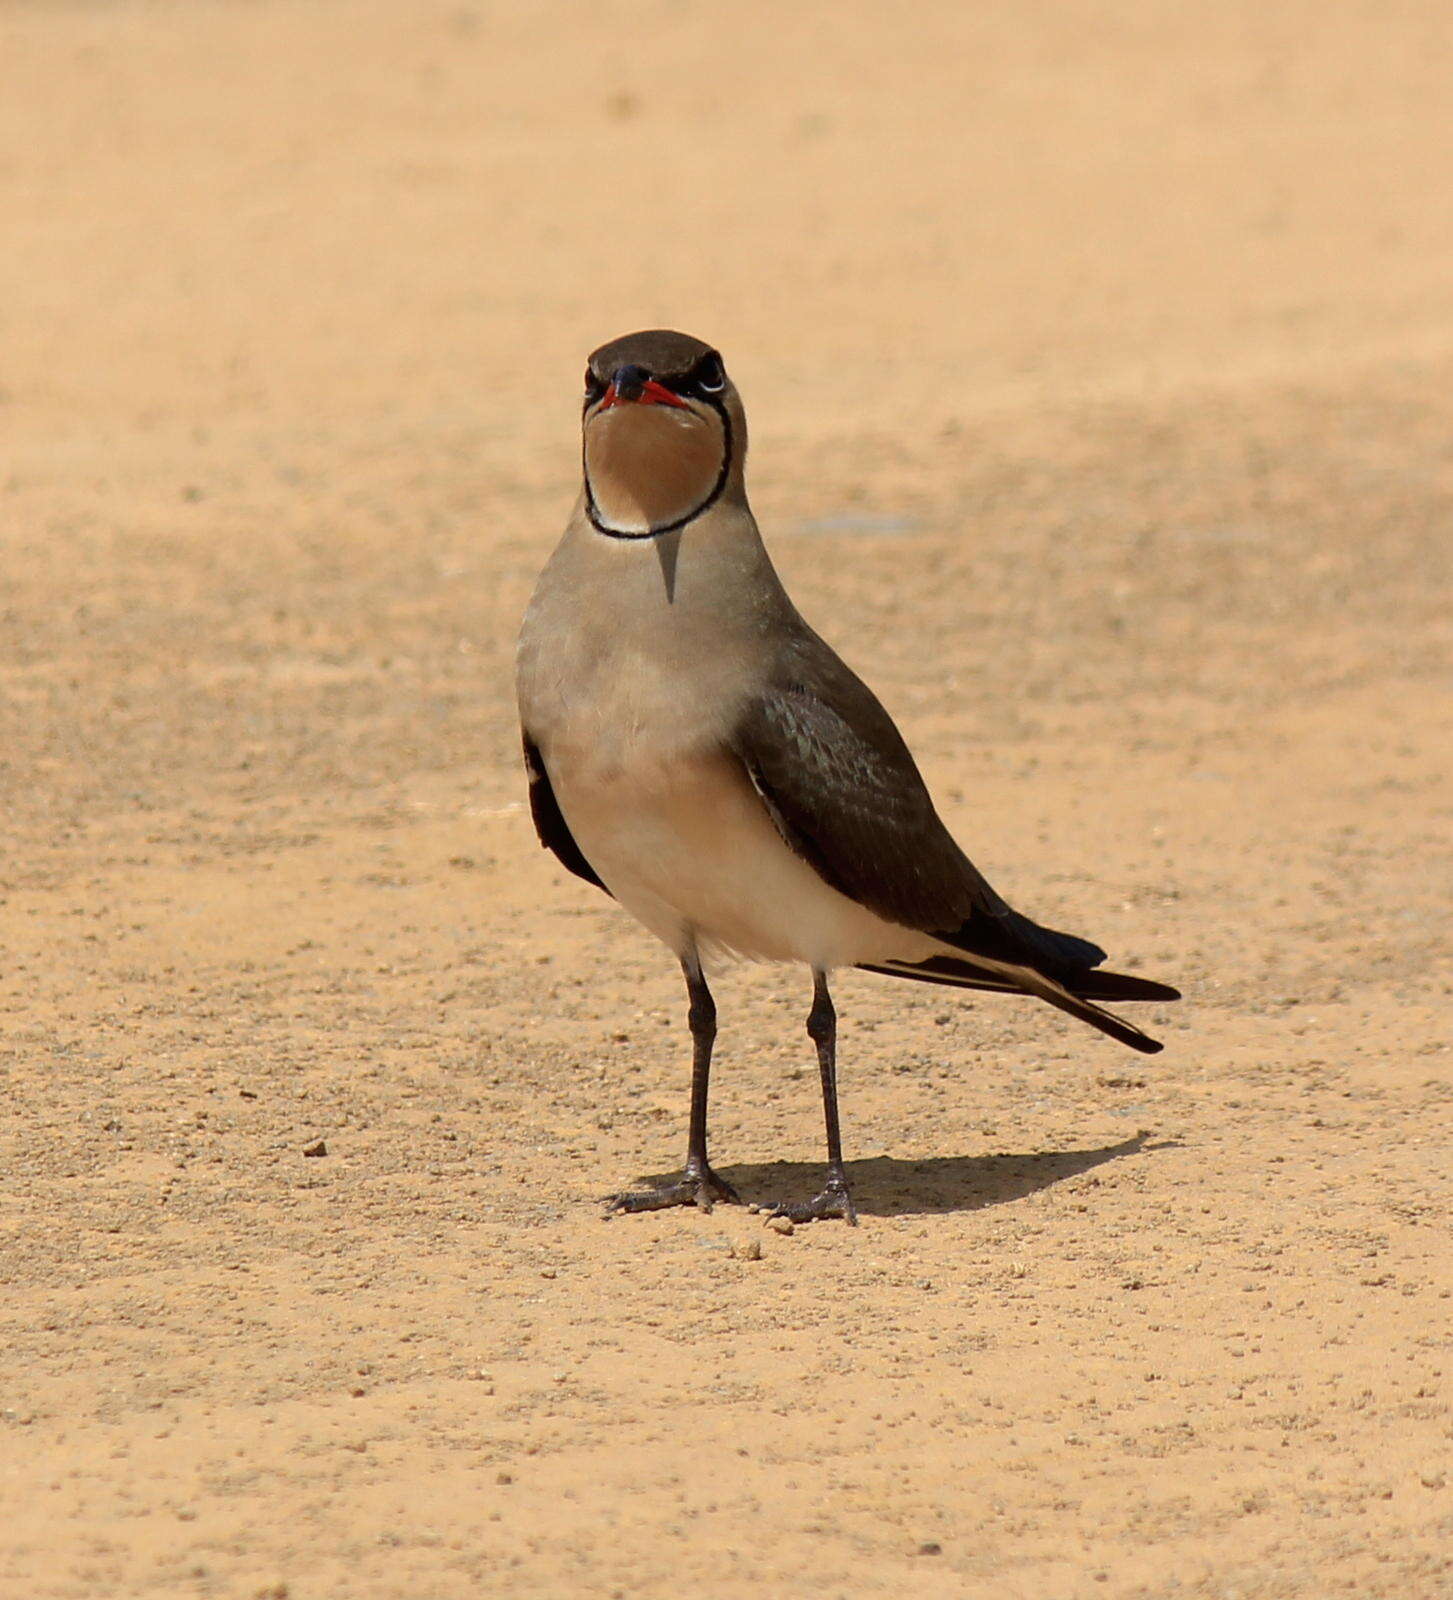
x,y
1098,360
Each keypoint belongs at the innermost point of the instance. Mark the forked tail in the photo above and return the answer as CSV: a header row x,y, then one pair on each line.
x,y
1073,994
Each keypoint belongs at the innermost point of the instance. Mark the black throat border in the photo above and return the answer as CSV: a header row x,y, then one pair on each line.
x,y
728,448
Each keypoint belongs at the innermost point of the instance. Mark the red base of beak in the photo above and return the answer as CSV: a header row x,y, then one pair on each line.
x,y
652,394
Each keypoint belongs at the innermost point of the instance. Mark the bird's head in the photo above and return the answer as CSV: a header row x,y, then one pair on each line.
x,y
664,433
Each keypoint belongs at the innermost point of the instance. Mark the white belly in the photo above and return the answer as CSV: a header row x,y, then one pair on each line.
x,y
689,849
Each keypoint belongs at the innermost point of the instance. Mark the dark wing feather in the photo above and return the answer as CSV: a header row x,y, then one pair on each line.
x,y
846,795
549,822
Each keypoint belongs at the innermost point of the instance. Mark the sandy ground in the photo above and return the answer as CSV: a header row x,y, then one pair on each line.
x,y
1098,360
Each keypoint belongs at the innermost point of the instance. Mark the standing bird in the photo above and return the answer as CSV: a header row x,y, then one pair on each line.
x,y
698,752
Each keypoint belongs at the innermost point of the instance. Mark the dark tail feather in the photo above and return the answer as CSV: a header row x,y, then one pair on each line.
x,y
1118,986
927,972
1073,998
1105,1021
1087,985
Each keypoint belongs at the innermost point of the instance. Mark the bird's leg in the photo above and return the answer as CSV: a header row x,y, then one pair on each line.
x,y
698,1184
835,1200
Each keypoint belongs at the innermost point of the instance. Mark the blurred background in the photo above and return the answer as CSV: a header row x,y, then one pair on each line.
x,y
1097,359
428,211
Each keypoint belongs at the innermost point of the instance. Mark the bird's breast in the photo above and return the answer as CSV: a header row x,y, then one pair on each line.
x,y
634,677
616,675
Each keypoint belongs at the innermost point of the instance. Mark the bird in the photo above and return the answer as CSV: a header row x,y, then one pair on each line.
x,y
694,749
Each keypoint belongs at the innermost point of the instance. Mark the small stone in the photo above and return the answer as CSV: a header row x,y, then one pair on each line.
x,y
504,1477
316,1149
781,1225
930,1547
747,1250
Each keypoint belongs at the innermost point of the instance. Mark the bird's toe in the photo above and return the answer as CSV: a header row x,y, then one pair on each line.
x,y
701,1189
834,1201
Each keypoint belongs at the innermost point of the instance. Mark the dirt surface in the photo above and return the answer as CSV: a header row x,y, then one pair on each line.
x,y
1098,360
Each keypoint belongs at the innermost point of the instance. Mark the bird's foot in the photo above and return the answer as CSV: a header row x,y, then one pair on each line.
x,y
697,1186
834,1201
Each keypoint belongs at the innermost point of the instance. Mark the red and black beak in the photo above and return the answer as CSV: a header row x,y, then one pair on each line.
x,y
634,385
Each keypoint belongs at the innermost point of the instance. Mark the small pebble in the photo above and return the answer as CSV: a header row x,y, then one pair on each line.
x,y
318,1149
747,1250
781,1225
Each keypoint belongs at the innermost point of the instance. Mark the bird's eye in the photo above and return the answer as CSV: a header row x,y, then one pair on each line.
x,y
594,388
710,375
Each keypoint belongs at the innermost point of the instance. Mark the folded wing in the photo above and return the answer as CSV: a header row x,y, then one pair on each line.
x,y
844,792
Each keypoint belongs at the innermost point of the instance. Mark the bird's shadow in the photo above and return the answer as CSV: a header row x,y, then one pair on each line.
x,y
885,1186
